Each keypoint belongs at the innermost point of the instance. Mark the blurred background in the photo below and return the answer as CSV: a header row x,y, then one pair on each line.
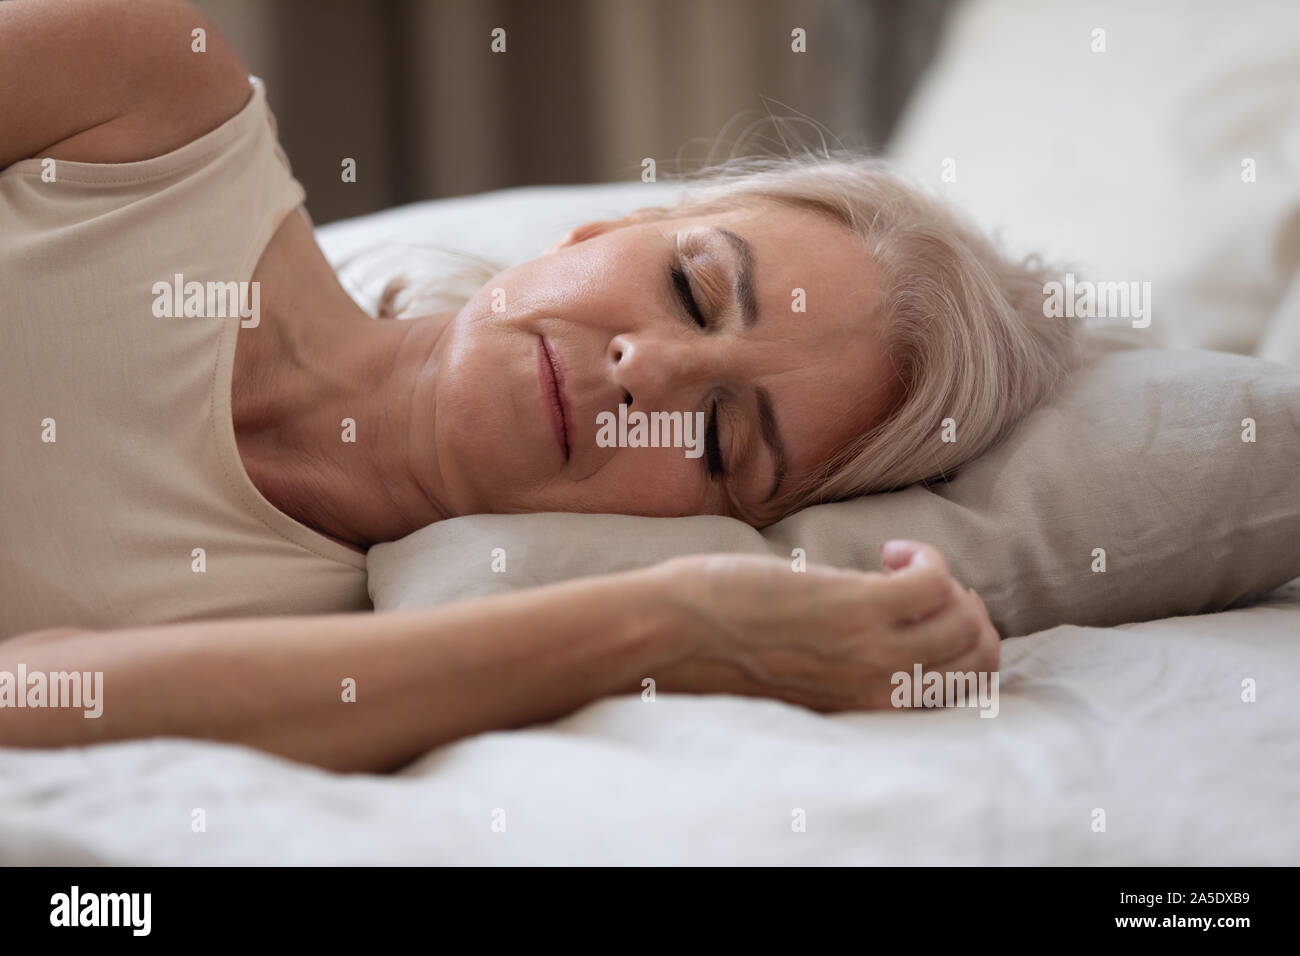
x,y
1149,142
585,90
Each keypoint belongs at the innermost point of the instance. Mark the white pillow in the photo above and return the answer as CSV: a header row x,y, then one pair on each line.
x,y
507,227
1128,163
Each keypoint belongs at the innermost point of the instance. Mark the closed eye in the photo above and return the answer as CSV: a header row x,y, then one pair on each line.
x,y
712,447
682,286
713,462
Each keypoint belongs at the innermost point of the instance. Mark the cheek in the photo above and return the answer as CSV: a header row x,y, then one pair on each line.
x,y
488,443
538,287
657,482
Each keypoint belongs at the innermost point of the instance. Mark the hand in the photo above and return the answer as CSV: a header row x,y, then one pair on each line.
x,y
826,638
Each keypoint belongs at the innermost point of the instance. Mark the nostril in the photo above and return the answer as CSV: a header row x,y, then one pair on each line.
x,y
627,399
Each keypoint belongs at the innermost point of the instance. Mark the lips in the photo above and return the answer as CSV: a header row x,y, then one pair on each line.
x,y
551,374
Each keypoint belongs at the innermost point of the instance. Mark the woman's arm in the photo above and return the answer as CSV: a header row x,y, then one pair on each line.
x,y
422,678
110,81
826,639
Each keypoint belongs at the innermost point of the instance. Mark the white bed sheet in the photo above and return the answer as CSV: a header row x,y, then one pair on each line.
x,y
1144,721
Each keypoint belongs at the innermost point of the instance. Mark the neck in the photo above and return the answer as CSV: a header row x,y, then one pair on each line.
x,y
323,416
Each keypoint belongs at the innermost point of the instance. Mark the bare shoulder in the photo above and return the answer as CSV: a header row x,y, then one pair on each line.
x,y
111,81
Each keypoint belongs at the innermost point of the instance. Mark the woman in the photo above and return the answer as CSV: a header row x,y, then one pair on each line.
x,y
189,489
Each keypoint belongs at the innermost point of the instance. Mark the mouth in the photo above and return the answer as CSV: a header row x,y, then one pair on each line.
x,y
551,374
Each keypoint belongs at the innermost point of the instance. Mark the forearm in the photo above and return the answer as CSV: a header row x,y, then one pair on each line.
x,y
422,678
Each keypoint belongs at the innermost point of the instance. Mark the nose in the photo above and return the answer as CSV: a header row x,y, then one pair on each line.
x,y
661,372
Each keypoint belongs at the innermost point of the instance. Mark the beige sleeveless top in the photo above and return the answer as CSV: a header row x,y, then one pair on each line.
x,y
123,500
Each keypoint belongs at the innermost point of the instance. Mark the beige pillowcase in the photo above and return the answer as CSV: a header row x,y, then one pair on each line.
x,y
1140,456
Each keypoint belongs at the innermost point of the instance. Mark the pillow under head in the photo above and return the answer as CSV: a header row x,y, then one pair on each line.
x,y
1156,482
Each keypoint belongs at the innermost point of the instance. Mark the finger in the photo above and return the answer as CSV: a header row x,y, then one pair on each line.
x,y
987,652
983,606
945,635
897,553
916,591
984,657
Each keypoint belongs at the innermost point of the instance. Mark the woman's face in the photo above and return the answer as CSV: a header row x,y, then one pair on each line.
x,y
762,320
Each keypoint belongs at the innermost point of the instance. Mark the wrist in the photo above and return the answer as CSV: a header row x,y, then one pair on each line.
x,y
656,620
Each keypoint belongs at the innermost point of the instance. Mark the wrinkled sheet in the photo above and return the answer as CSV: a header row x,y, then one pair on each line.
x,y
1144,721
